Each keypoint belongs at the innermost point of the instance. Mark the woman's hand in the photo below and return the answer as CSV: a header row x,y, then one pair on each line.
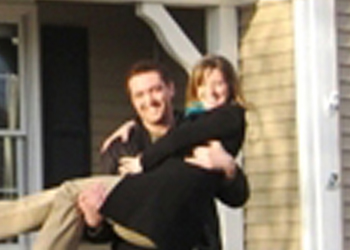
x,y
213,157
130,165
90,201
122,132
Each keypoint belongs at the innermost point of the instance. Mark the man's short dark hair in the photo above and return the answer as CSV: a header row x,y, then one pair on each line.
x,y
145,66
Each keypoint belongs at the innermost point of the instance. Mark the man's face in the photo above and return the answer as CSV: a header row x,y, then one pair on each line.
x,y
151,97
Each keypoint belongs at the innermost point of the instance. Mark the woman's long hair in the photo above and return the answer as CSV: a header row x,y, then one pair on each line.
x,y
209,63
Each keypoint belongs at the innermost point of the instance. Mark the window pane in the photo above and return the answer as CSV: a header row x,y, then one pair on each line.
x,y
9,84
8,166
8,49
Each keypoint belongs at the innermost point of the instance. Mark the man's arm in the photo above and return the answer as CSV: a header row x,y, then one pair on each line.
x,y
224,122
110,157
234,190
97,229
89,200
122,133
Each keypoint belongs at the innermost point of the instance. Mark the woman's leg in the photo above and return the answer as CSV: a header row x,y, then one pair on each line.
x,y
179,191
63,225
25,214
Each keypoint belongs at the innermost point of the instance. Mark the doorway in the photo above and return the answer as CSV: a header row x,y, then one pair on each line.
x,y
65,86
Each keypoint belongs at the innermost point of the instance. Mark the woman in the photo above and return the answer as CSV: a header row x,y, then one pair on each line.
x,y
167,167
171,197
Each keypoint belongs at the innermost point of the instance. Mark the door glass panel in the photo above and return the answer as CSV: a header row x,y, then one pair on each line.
x,y
9,110
8,161
9,84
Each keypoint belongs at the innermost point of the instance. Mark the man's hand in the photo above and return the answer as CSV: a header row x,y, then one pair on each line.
x,y
89,201
129,165
213,157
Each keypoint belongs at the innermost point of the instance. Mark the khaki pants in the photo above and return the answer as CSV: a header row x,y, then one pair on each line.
x,y
53,212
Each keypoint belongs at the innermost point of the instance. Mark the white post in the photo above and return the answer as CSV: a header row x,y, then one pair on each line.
x,y
318,125
222,38
222,32
32,97
169,34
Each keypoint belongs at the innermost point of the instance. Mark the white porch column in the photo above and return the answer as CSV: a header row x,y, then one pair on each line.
x,y
169,34
222,32
318,129
222,38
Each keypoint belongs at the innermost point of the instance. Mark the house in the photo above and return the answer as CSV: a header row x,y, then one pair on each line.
x,y
61,92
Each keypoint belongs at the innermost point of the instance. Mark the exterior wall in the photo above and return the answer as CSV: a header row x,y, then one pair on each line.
x,y
343,23
272,215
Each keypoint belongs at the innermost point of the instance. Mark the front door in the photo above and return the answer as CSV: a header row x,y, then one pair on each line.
x,y
65,103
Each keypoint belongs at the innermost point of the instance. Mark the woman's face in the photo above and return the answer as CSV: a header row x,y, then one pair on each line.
x,y
214,90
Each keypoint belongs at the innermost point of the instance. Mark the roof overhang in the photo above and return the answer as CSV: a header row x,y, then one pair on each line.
x,y
176,3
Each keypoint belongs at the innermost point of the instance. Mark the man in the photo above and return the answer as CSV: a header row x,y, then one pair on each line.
x,y
151,91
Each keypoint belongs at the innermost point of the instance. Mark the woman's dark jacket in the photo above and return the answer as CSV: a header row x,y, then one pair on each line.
x,y
172,202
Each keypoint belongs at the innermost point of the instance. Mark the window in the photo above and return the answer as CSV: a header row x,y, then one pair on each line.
x,y
10,123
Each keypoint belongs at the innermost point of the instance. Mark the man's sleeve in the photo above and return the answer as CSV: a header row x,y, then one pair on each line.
x,y
224,122
102,234
109,165
110,157
234,192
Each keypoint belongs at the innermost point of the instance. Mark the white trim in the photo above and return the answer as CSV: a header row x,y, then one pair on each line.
x,y
31,95
12,133
169,34
33,99
318,133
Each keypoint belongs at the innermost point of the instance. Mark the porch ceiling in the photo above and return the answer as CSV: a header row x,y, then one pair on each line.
x,y
190,3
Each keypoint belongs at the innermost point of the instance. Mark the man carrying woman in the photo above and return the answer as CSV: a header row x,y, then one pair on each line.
x,y
151,93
